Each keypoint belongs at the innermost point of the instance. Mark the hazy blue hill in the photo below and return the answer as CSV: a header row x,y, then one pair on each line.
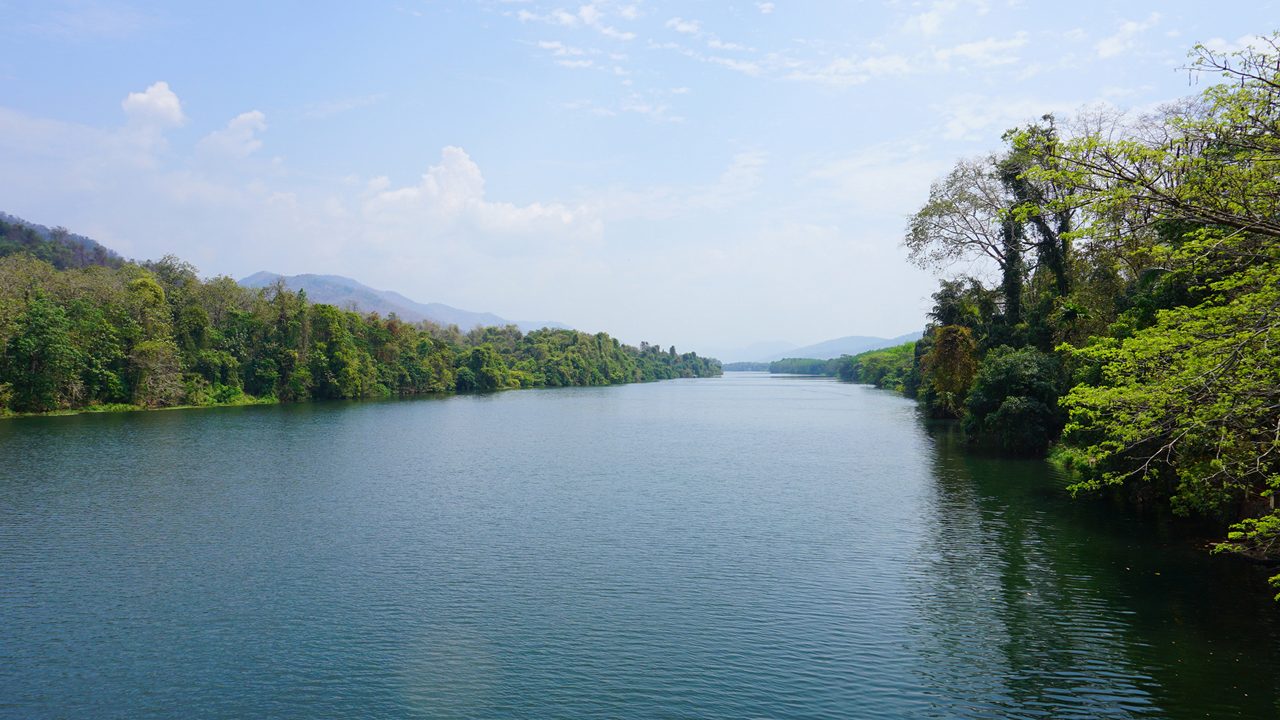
x,y
345,292
754,351
849,345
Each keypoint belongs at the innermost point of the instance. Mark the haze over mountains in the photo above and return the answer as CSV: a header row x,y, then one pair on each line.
x,y
825,350
348,293
344,292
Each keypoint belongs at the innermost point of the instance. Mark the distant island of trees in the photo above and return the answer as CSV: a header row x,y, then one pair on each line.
x,y
890,367
80,328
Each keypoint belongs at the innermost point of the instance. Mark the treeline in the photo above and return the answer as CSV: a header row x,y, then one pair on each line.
x,y
746,367
803,366
893,368
155,334
1131,321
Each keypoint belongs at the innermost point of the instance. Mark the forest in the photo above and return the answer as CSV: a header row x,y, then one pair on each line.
x,y
101,333
1128,320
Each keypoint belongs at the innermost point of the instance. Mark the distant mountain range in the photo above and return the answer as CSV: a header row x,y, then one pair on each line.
x,y
825,350
345,292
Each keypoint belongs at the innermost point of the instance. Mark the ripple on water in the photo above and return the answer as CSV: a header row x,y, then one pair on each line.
x,y
746,547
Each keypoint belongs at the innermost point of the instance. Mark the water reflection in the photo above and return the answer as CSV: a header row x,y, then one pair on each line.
x,y
1034,605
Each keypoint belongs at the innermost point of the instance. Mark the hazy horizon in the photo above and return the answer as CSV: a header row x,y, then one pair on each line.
x,y
709,176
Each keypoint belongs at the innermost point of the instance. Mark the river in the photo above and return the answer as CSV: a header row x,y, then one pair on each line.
x,y
750,546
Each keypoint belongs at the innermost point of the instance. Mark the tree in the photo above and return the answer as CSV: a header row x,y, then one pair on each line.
x,y
39,360
949,367
1014,400
969,215
1184,401
156,372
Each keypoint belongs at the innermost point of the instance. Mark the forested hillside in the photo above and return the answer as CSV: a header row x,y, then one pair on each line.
x,y
56,246
155,334
1132,318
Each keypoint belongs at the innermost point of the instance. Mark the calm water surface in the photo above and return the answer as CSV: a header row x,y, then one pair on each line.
x,y
743,547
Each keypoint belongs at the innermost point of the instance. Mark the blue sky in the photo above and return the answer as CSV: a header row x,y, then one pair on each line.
x,y
708,174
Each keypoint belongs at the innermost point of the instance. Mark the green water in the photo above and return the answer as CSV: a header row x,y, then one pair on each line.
x,y
748,546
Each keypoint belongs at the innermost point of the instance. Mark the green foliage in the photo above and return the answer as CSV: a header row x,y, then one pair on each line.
x,y
157,335
1192,401
1014,400
947,369
804,366
40,361
1255,537
889,368
1156,274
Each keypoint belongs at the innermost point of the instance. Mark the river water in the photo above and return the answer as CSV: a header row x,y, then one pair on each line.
x,y
750,546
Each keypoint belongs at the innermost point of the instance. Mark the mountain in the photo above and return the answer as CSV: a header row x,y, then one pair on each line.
x,y
57,246
849,345
749,353
347,293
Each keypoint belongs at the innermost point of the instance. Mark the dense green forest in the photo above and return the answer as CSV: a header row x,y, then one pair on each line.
x,y
112,334
1131,321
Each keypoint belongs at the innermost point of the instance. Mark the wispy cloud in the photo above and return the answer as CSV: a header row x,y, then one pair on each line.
x,y
687,27
238,139
591,15
1125,38
844,72
988,52
89,19
329,108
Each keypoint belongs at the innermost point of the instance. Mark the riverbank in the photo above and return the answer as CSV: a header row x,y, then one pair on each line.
x,y
127,407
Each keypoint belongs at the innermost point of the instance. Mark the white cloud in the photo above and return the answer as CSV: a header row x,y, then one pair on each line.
x,y
737,183
451,197
559,49
982,118
687,27
845,72
746,67
717,44
612,32
1244,42
238,139
984,53
590,15
887,181
930,21
765,8
157,106
1125,38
